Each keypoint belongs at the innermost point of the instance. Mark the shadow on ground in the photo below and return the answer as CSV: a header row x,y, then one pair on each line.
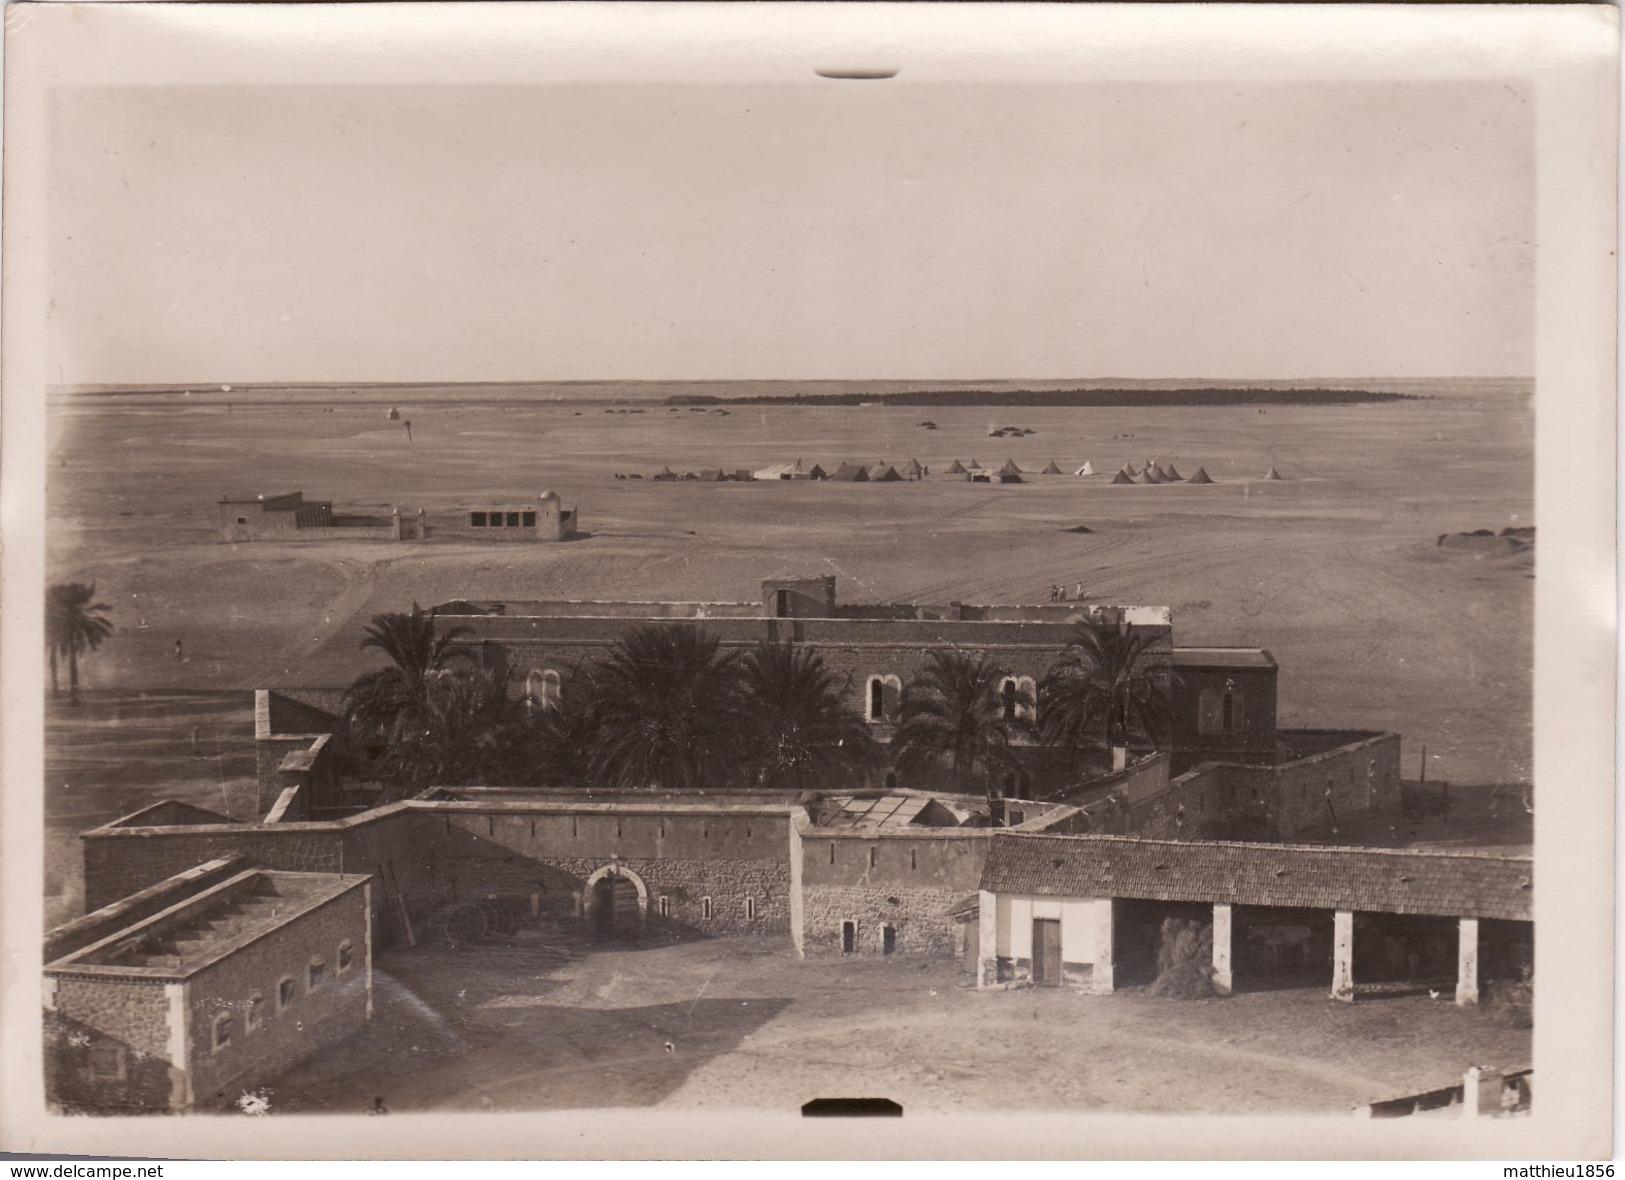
x,y
480,1029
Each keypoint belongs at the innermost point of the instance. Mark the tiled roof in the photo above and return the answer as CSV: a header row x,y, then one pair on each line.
x,y
1398,881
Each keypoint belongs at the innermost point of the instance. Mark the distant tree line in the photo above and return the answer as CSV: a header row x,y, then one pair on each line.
x,y
1226,396
668,708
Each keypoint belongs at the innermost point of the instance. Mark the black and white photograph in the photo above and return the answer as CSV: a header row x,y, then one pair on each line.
x,y
663,563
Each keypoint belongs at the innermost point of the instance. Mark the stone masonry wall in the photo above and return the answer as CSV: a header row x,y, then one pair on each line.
x,y
905,879
314,1019
85,1015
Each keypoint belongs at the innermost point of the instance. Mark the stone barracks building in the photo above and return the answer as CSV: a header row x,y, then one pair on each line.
x,y
215,952
204,984
1224,699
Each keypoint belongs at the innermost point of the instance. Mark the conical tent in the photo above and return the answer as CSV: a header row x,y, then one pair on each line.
x,y
1273,474
851,473
1088,468
884,473
1051,469
1145,477
913,470
1122,477
1130,469
973,464
1172,473
956,468
1009,468
1201,476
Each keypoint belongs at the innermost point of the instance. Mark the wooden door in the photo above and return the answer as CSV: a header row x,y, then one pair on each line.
x,y
1047,952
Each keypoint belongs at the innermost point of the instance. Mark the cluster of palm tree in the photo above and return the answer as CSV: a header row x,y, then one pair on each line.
x,y
668,707
75,623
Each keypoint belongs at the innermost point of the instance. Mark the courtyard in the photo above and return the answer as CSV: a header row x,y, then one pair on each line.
x,y
543,1023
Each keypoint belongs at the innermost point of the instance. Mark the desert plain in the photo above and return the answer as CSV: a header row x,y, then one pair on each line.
x,y
1336,569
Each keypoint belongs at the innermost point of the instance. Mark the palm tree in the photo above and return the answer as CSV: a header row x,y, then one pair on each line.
x,y
560,738
956,710
386,702
799,731
1110,686
669,707
73,624
469,731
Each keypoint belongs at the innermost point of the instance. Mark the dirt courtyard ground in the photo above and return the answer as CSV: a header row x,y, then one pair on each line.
x,y
741,1023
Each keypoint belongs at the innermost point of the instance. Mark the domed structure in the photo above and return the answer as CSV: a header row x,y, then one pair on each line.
x,y
548,494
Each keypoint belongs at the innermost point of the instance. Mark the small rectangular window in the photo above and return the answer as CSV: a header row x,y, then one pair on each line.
x,y
528,519
871,856
242,520
107,1062
256,1012
832,852
913,859
513,520
314,973
663,905
750,909
284,993
705,908
781,604
222,1030
346,955
476,520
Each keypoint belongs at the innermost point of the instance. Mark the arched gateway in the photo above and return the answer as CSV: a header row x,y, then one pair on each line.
x,y
615,900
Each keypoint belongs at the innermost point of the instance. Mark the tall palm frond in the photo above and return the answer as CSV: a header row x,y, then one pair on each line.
x,y
469,731
1111,686
74,624
798,730
670,709
560,738
380,704
955,712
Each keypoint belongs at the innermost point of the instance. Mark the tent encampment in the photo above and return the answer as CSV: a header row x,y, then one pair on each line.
x,y
1130,470
913,470
1122,477
1172,473
956,468
773,471
1145,477
1088,468
1009,468
884,473
850,473
1201,476
1051,469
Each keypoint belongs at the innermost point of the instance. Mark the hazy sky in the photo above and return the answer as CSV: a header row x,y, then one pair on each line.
x,y
827,229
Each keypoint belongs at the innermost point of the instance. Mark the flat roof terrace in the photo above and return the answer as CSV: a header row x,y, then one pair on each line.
x,y
203,929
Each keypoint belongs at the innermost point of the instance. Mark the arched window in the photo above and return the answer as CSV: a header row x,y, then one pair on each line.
x,y
1207,712
1010,694
222,1030
1027,706
256,1011
1233,717
881,699
543,689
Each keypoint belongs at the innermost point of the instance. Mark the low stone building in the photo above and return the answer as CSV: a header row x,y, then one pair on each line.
x,y
204,986
250,517
1086,910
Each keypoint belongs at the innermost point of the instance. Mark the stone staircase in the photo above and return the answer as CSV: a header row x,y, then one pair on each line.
x,y
243,916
